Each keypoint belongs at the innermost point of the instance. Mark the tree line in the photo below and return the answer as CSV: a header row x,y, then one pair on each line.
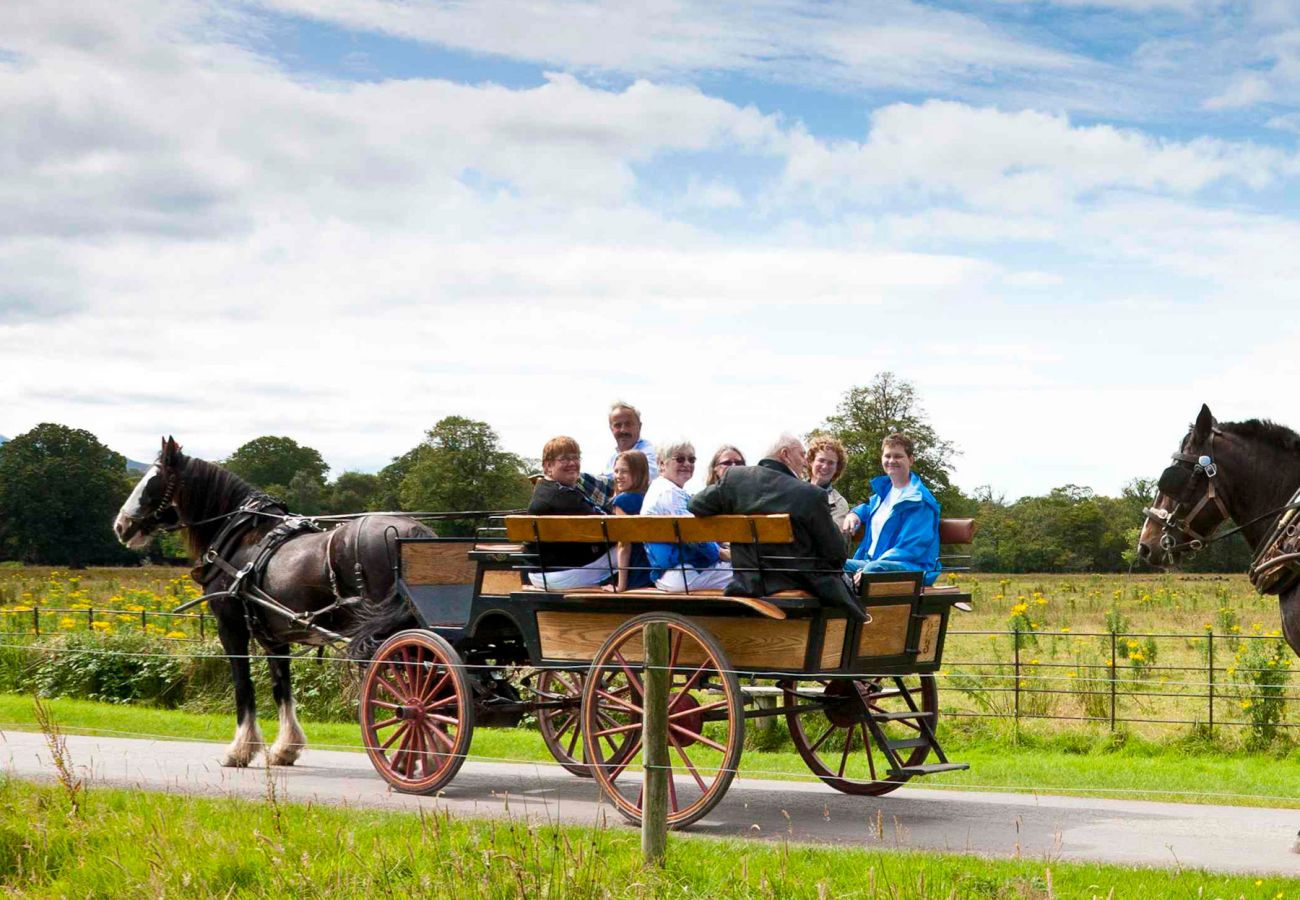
x,y
60,488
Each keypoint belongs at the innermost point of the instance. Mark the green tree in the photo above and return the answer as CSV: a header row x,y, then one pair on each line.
x,y
461,466
355,492
866,415
271,460
59,491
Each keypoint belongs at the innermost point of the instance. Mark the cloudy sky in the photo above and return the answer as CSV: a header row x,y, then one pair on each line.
x,y
1066,223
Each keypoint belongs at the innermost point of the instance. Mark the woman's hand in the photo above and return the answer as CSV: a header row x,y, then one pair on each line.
x,y
851,524
724,552
612,588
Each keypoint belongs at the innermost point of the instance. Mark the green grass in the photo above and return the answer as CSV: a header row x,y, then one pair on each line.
x,y
1053,763
59,840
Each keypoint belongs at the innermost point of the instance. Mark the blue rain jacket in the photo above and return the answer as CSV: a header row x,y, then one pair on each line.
x,y
911,535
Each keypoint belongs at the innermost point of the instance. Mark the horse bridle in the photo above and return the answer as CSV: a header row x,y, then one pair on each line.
x,y
1176,482
154,517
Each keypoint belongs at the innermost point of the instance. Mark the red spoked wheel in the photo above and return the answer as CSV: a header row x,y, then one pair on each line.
x,y
559,719
828,725
417,715
706,723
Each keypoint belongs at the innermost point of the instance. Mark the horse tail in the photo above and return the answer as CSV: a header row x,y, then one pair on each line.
x,y
379,621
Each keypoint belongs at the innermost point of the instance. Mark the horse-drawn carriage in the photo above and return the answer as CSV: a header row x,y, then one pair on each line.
x,y
859,699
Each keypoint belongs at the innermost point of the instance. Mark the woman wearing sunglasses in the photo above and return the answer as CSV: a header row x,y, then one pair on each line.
x,y
724,458
681,567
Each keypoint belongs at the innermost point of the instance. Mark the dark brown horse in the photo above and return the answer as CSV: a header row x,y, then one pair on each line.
x,y
1248,472
324,580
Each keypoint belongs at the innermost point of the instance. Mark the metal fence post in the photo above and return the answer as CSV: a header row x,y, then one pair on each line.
x,y
1114,668
202,618
1016,638
654,734
36,621
90,618
1210,659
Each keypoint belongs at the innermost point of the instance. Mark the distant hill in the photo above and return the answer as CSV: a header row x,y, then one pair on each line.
x,y
3,438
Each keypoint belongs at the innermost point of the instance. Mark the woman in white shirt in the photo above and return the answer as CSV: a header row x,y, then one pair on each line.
x,y
681,567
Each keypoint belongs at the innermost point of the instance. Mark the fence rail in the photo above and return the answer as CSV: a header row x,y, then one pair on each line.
x,y
1209,674
1204,680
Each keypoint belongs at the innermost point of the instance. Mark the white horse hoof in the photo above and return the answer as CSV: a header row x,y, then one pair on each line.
x,y
283,756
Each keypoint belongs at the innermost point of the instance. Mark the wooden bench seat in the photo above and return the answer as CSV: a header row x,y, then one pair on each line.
x,y
650,529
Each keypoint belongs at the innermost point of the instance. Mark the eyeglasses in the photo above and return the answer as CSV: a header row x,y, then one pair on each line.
x,y
681,460
730,462
568,458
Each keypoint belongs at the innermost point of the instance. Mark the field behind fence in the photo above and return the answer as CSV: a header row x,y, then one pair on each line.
x,y
1151,654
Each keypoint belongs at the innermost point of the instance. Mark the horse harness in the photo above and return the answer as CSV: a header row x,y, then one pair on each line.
x,y
1274,567
246,583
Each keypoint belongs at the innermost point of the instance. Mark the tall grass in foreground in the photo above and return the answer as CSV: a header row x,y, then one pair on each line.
x,y
112,843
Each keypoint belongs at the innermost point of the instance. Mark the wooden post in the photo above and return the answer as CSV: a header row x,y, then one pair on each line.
x,y
654,736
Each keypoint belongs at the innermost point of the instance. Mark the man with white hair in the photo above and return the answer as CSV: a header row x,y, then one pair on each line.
x,y
817,551
625,426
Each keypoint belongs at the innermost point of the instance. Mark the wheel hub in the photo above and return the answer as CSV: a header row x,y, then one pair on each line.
x,y
844,706
692,720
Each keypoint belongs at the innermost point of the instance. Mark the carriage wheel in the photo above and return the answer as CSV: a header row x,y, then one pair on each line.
x,y
828,724
706,724
417,716
561,726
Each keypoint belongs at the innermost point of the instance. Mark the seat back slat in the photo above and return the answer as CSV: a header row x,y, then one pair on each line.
x,y
773,529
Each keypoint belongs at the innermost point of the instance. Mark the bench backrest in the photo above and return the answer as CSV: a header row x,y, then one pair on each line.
x,y
654,529
951,531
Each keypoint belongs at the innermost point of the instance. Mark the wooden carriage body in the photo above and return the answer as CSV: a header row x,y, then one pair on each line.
x,y
473,594
859,698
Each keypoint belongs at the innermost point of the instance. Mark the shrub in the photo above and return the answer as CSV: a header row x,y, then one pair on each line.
x,y
114,668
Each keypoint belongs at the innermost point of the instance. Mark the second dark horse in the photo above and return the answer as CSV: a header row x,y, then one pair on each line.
x,y
328,578
1249,473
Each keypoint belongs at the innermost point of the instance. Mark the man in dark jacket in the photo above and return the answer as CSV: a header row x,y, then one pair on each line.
x,y
818,549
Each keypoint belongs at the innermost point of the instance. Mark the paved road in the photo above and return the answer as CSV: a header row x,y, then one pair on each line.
x,y
1221,838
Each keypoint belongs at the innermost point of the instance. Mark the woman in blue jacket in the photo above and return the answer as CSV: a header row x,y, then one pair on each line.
x,y
901,518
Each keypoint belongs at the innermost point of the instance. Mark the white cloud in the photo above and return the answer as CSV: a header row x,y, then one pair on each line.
x,y
197,242
1015,162
1248,89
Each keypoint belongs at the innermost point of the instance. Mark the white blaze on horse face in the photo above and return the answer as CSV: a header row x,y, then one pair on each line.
x,y
134,509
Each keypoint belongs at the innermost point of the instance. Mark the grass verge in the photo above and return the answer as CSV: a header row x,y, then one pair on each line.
x,y
1062,763
117,843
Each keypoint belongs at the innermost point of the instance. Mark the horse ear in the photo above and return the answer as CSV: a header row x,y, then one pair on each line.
x,y
170,451
1204,423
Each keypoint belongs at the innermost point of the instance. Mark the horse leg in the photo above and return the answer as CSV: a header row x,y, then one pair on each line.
x,y
290,740
248,737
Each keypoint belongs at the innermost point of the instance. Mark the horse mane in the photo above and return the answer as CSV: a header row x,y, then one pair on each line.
x,y
209,491
1265,431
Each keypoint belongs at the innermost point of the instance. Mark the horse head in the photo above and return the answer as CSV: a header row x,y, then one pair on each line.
x,y
1189,504
152,505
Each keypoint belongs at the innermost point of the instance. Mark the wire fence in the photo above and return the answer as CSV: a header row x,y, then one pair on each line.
x,y
44,621
1116,679
1119,678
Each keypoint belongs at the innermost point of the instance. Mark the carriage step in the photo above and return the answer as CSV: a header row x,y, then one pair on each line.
x,y
908,743
903,714
929,769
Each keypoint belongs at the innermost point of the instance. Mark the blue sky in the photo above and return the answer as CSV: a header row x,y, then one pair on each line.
x,y
1066,223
